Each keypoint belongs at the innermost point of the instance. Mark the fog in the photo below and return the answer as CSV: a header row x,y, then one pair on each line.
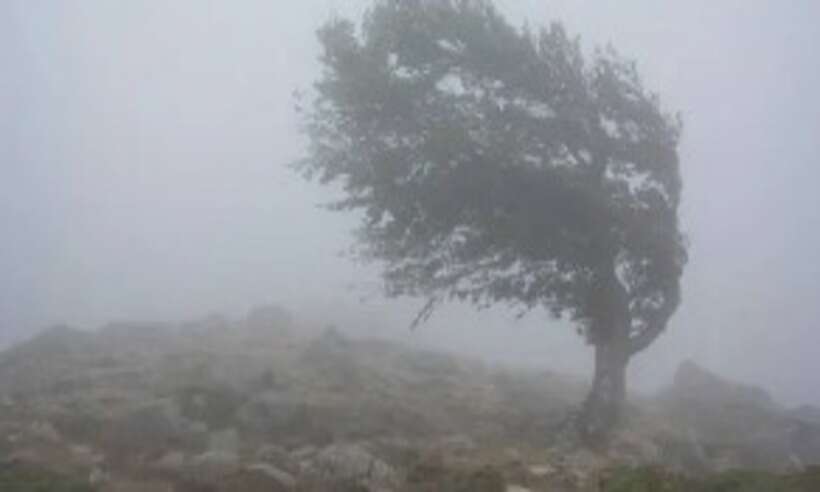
x,y
144,151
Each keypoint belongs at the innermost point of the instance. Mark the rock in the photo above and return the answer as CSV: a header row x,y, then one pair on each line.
x,y
150,428
541,470
698,385
26,457
513,454
725,460
456,445
805,442
45,431
736,425
429,476
352,462
633,448
173,462
226,441
86,456
276,456
807,413
214,405
304,452
212,466
251,480
581,466
281,477
120,484
485,480
52,362
273,413
517,488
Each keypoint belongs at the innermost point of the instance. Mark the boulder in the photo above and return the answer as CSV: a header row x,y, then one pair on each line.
x,y
273,413
280,477
172,462
212,466
728,424
150,428
45,431
354,463
428,476
695,384
274,455
806,413
226,441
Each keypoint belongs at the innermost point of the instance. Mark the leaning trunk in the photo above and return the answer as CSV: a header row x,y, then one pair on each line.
x,y
604,405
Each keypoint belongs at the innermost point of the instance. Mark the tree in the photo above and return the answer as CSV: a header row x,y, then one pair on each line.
x,y
493,165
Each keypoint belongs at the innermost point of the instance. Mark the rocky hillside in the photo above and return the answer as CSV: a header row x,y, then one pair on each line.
x,y
264,404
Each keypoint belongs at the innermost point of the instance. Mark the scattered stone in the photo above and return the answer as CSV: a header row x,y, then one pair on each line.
x,y
212,466
352,462
430,476
305,452
281,477
173,462
185,409
517,488
541,470
149,428
458,445
274,455
45,431
86,455
273,413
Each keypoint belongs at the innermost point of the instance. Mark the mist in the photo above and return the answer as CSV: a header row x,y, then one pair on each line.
x,y
144,152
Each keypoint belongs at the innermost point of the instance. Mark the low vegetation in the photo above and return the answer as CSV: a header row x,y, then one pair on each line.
x,y
659,480
15,478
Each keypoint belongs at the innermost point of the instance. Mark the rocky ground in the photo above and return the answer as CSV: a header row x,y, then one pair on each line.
x,y
263,404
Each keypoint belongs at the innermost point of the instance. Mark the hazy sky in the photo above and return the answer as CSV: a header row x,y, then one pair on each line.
x,y
143,152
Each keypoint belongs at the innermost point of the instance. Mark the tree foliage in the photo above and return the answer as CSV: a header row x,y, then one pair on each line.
x,y
493,164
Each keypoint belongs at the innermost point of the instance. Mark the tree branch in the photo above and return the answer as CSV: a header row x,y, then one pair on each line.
x,y
425,313
644,339
657,321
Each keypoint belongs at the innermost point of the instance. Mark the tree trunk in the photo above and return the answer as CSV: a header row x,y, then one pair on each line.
x,y
604,406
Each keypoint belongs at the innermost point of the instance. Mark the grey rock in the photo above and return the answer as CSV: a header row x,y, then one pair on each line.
x,y
213,466
281,477
272,412
353,462
274,455
45,431
150,427
698,385
226,441
174,462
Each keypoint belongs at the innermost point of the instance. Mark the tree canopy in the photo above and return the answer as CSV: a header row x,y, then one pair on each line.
x,y
495,164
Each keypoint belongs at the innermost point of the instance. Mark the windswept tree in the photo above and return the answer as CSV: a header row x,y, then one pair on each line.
x,y
497,165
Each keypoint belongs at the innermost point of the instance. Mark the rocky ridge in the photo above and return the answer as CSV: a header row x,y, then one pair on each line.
x,y
264,404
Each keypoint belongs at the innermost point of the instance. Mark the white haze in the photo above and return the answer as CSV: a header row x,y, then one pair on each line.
x,y
143,152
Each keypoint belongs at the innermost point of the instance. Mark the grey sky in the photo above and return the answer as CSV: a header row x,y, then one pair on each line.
x,y
142,175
